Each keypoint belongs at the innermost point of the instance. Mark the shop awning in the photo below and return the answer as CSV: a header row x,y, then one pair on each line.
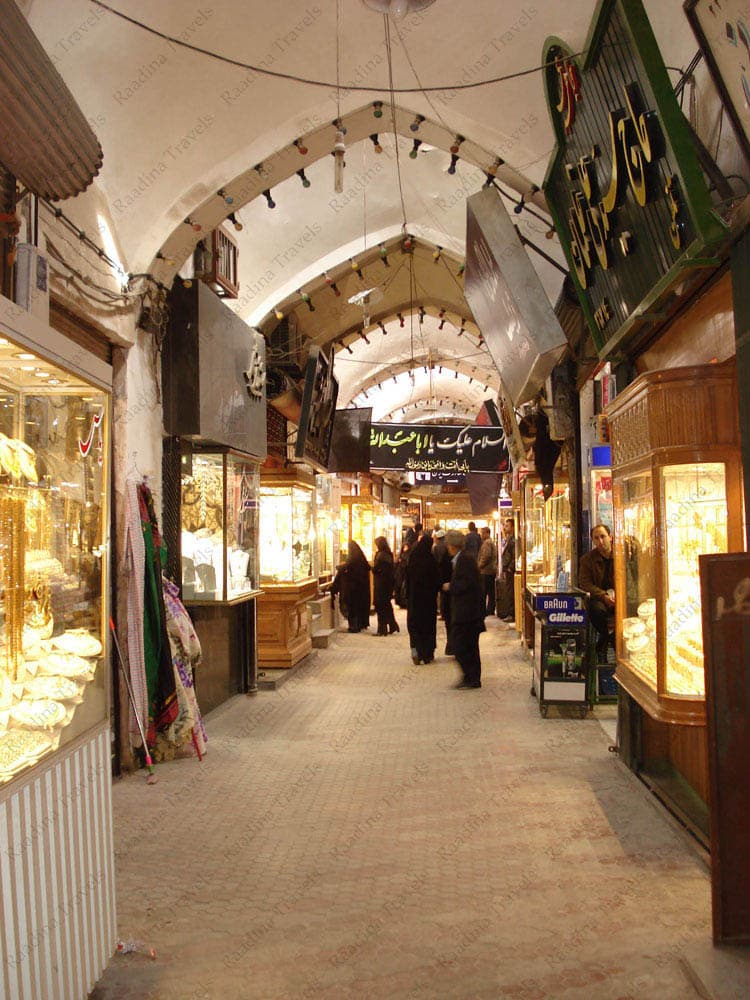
x,y
45,139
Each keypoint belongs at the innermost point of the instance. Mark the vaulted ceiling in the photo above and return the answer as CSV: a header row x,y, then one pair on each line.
x,y
189,137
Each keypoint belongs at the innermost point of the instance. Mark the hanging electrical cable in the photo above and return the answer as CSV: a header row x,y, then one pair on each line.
x,y
262,71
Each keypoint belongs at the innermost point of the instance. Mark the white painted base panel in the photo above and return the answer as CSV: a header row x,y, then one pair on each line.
x,y
57,889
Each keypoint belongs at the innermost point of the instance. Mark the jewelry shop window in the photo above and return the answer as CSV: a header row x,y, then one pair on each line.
x,y
54,515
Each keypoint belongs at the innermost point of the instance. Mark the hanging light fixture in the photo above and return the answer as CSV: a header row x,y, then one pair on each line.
x,y
397,8
339,148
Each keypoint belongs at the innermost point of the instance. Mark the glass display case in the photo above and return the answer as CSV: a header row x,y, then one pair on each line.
x,y
677,495
545,536
218,526
286,534
54,447
363,519
327,503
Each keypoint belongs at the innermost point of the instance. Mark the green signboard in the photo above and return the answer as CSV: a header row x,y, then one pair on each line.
x,y
624,186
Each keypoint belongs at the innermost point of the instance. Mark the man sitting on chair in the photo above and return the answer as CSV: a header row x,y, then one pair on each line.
x,y
596,575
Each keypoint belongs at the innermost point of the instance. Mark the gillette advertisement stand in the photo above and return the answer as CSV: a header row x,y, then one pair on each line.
x,y
560,648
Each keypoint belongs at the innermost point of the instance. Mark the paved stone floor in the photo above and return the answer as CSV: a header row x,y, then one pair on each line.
x,y
365,831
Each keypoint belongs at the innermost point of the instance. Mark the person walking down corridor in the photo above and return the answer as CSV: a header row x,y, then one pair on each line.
x,y
472,541
507,603
487,563
467,611
422,586
356,588
383,577
445,567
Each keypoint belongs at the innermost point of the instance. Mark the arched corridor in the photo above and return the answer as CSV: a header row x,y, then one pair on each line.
x,y
367,831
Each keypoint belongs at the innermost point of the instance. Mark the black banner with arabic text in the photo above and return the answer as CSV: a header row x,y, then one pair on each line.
x,y
416,448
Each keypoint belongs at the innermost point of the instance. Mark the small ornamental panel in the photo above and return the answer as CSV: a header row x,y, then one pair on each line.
x,y
625,188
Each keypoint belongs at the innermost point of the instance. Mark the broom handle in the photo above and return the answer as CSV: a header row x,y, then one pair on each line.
x,y
130,690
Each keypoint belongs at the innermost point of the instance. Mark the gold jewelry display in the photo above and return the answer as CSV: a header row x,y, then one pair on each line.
x,y
20,748
66,665
40,714
57,688
79,642
12,552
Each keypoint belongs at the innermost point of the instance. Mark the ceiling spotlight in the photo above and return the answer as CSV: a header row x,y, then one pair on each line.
x,y
454,160
269,199
278,314
375,140
384,254
436,254
338,125
167,260
520,206
550,234
227,197
193,225
235,222
306,299
355,267
305,182
377,109
332,285
414,127
415,149
299,143
381,324
400,318
456,144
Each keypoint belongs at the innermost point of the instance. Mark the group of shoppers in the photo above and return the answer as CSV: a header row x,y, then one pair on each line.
x,y
452,572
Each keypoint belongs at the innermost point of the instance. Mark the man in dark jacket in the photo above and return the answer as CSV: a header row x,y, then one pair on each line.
x,y
467,610
472,541
596,575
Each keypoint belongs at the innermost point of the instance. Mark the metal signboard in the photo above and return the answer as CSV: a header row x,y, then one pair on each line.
x,y
508,300
625,187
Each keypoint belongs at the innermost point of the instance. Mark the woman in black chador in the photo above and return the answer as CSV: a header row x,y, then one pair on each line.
x,y
383,574
356,588
422,585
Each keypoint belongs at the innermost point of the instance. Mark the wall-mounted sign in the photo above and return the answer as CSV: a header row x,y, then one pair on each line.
x,y
723,33
508,300
316,414
416,448
350,440
213,373
624,187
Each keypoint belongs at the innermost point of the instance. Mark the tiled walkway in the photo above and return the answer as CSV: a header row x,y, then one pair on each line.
x,y
368,832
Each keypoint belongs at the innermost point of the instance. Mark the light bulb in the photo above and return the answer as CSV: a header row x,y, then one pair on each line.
x,y
339,149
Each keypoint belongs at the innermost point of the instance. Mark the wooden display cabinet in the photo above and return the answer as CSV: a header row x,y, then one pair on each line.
x,y
543,543
677,494
286,568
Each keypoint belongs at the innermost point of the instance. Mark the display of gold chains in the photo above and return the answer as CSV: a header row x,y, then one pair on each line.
x,y
12,551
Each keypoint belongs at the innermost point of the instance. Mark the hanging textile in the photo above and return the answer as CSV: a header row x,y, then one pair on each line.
x,y
186,654
134,572
162,693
